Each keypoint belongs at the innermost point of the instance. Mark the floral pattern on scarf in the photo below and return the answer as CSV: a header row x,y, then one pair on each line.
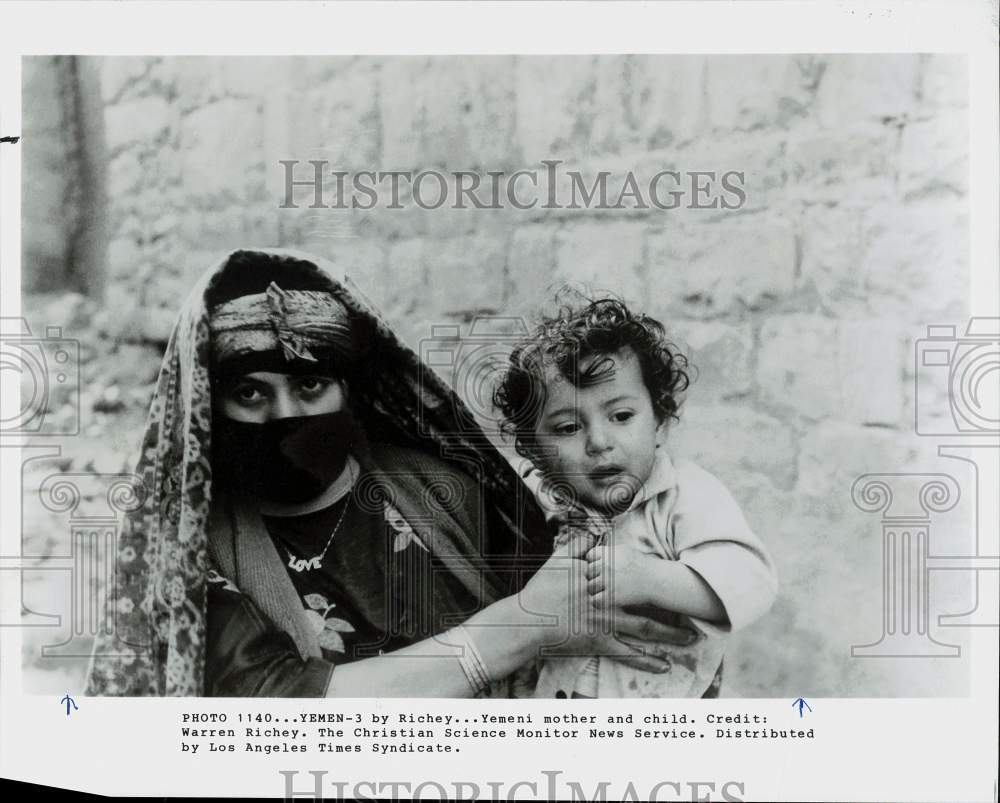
x,y
158,603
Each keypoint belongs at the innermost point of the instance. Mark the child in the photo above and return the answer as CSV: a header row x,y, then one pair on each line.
x,y
588,399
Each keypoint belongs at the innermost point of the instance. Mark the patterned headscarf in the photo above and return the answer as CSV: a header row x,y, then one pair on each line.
x,y
294,323
157,646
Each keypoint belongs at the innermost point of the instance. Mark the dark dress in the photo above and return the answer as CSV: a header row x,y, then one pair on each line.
x,y
378,589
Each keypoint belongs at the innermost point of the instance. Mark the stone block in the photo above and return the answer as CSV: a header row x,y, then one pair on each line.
x,y
361,258
796,366
718,267
915,262
466,274
731,440
600,185
603,257
721,355
664,99
125,174
401,111
70,312
859,87
871,365
197,80
157,323
338,121
832,455
364,260
445,220
121,312
754,162
215,229
468,112
832,246
177,275
121,76
944,80
132,365
399,215
946,136
50,206
45,83
531,266
254,76
124,254
744,93
276,139
141,121
852,161
221,152
554,104
408,277
816,368
613,126
625,108
44,256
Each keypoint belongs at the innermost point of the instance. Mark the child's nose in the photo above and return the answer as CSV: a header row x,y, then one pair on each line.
x,y
598,440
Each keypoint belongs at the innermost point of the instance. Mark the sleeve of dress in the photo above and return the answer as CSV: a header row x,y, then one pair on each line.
x,y
246,656
711,535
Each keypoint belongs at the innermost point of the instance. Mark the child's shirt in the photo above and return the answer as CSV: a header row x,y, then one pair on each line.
x,y
682,512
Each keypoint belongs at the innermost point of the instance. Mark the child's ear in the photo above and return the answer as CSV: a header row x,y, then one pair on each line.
x,y
661,433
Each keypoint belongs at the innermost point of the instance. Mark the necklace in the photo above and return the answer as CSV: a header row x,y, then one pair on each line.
x,y
308,564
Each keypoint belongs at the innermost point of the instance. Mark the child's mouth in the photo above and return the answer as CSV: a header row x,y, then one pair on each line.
x,y
605,473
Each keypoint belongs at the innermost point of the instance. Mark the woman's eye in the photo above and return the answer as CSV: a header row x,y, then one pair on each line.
x,y
247,394
313,385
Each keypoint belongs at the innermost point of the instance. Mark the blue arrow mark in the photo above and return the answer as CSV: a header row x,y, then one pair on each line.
x,y
801,704
69,702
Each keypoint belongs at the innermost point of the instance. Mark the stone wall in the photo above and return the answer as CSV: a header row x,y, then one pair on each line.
x,y
799,309
62,200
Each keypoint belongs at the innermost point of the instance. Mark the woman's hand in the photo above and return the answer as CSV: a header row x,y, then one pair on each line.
x,y
559,591
556,595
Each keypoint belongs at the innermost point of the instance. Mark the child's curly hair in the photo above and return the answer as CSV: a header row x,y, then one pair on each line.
x,y
566,340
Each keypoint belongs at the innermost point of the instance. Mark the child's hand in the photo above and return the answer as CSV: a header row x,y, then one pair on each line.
x,y
618,575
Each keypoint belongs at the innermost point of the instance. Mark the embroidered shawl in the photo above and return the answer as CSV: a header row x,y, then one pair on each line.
x,y
156,646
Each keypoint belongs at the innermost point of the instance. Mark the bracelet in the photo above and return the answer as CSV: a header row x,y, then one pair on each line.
x,y
472,662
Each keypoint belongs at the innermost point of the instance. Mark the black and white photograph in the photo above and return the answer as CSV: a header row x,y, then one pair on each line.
x,y
534,379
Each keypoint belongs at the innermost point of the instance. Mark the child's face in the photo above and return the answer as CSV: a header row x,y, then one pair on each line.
x,y
601,438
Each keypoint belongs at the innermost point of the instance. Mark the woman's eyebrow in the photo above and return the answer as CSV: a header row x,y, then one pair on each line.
x,y
233,382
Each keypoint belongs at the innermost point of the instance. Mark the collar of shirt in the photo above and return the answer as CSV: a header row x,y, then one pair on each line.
x,y
662,478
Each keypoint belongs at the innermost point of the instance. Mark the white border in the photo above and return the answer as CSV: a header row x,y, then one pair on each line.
x,y
948,747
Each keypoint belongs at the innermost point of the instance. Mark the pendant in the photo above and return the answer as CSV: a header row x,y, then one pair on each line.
x,y
302,565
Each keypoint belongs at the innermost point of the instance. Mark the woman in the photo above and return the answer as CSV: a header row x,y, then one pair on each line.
x,y
321,515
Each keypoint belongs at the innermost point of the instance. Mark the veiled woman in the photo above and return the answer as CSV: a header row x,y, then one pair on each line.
x,y
323,517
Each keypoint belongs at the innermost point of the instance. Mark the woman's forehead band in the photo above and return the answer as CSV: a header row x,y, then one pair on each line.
x,y
296,322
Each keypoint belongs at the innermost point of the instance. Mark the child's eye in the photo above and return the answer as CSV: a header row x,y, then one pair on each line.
x,y
567,428
621,416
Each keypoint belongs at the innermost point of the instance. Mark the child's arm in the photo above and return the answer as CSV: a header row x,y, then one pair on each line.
x,y
723,576
629,577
